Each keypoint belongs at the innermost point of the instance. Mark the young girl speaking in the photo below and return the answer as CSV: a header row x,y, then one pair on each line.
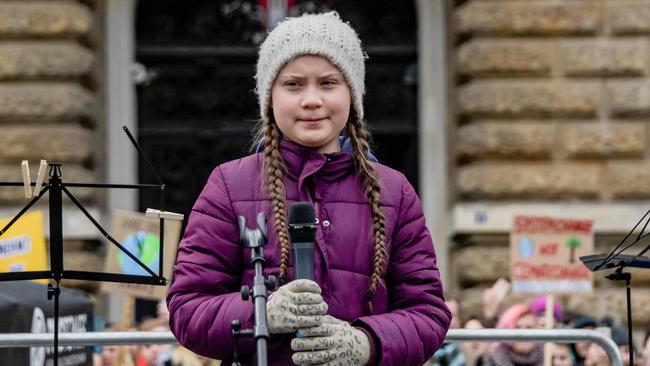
x,y
377,296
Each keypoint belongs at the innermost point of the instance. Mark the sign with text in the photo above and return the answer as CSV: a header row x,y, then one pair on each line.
x,y
544,254
140,236
22,247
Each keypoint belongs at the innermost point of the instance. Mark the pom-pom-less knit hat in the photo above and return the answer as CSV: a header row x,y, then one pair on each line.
x,y
312,34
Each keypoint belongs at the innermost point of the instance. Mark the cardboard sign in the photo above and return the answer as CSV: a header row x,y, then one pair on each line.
x,y
544,254
22,247
140,236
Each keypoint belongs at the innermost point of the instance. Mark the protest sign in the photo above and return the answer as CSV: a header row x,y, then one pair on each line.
x,y
22,247
140,236
544,254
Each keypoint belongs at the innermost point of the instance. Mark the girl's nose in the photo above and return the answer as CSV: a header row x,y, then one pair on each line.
x,y
311,98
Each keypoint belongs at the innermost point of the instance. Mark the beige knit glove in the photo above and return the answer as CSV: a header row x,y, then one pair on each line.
x,y
297,304
335,342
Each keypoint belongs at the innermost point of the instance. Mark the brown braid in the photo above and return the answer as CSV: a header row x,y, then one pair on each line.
x,y
359,136
274,172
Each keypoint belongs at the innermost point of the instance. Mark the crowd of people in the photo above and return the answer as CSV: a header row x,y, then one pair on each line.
x,y
150,354
524,315
531,315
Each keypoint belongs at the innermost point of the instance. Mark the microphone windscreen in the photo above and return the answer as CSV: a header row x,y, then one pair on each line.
x,y
302,220
301,213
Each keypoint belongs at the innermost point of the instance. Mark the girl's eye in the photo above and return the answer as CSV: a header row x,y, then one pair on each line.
x,y
329,82
292,84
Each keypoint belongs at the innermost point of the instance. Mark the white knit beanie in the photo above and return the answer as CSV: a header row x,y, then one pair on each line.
x,y
312,34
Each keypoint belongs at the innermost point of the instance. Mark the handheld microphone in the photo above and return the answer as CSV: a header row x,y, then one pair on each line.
x,y
302,232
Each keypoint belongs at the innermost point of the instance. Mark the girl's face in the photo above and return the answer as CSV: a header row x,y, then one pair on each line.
x,y
311,102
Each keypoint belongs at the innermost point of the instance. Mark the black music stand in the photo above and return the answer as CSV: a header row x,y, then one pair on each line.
x,y
615,259
57,187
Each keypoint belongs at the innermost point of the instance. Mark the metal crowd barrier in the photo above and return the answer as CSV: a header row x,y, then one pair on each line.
x,y
10,340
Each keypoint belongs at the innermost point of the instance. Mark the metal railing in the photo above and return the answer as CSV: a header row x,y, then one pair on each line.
x,y
11,340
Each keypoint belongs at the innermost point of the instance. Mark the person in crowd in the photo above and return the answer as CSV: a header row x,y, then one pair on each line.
x,y
579,350
475,353
154,354
449,354
621,337
538,308
596,356
377,297
184,357
560,354
517,353
117,355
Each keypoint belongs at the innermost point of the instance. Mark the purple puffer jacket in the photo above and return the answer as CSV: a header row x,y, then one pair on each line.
x,y
411,318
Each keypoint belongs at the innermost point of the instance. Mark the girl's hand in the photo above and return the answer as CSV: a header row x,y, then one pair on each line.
x,y
297,304
335,342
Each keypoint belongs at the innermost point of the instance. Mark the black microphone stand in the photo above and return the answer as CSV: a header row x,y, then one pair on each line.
x,y
255,239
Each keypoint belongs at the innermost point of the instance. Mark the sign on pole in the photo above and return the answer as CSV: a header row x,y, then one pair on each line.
x,y
22,247
139,235
544,254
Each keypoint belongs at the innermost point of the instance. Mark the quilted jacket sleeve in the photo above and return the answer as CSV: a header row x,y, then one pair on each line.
x,y
418,319
204,296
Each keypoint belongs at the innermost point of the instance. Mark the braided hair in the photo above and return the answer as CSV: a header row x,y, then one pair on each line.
x,y
274,170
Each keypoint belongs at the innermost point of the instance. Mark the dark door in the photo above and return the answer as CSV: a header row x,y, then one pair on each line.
x,y
196,106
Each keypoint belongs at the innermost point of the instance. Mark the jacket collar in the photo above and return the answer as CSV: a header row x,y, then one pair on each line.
x,y
302,162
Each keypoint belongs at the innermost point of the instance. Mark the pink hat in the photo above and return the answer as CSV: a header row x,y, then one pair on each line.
x,y
538,307
508,319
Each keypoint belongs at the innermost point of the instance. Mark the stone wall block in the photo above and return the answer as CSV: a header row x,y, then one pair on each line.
x,y
608,301
512,17
45,101
604,140
629,97
629,17
60,143
628,179
605,57
510,56
501,180
529,98
70,173
505,139
44,18
481,264
44,59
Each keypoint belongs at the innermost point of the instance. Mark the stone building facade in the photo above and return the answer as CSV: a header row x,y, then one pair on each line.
x,y
50,108
553,105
